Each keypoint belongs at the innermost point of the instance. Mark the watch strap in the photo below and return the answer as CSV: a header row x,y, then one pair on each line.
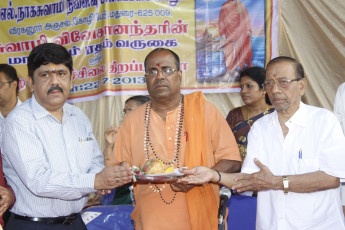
x,y
286,185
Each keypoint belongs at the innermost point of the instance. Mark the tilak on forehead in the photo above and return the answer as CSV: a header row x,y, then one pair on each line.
x,y
157,64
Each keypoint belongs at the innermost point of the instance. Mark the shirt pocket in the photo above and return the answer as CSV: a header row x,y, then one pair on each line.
x,y
85,154
307,164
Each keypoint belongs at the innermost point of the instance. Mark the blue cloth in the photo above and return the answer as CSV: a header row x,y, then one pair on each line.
x,y
113,217
242,215
107,199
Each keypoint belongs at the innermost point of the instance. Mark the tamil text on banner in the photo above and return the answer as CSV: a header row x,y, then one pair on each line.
x,y
109,40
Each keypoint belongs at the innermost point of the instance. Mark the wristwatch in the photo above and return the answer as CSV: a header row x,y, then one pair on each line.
x,y
286,185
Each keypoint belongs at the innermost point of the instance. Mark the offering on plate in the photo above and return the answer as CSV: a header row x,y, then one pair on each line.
x,y
152,167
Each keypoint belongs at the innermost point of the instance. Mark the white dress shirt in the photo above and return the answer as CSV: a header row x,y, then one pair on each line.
x,y
316,133
19,102
339,105
339,110
51,166
2,117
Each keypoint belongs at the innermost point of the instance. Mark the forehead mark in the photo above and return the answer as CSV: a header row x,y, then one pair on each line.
x,y
157,64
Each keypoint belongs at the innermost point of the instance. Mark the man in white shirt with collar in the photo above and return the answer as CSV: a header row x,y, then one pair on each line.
x,y
339,110
295,157
9,86
51,158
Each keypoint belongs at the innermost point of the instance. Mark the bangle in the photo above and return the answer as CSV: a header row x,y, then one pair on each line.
x,y
220,177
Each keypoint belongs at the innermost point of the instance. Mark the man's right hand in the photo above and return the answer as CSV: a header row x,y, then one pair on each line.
x,y
7,198
112,177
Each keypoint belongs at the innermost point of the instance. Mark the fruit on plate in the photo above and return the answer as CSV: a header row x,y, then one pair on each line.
x,y
153,166
170,169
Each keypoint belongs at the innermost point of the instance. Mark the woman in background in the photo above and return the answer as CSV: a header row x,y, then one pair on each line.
x,y
257,105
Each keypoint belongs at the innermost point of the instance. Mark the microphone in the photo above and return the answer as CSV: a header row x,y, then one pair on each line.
x,y
224,195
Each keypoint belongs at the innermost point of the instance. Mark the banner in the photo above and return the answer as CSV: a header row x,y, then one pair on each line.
x,y
109,40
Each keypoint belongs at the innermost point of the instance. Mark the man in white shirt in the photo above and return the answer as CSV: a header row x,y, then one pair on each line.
x,y
339,110
51,157
9,86
295,157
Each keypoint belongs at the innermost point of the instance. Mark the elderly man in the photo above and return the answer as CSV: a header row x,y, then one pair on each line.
x,y
51,157
179,131
301,148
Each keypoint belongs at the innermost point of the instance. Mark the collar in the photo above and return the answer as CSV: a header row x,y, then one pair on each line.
x,y
39,111
300,117
17,104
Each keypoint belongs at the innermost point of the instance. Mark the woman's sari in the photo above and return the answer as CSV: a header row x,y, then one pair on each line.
x,y
241,127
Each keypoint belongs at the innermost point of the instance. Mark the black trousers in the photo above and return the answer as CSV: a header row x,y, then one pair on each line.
x,y
15,224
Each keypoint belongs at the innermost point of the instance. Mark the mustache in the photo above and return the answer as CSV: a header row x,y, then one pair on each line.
x,y
161,82
278,96
54,87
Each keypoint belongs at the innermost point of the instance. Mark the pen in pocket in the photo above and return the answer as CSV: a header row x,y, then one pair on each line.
x,y
82,139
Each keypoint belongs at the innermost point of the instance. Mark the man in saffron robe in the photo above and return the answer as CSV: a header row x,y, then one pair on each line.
x,y
235,29
180,130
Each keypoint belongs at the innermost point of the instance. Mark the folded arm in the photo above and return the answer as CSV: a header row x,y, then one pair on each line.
x,y
303,183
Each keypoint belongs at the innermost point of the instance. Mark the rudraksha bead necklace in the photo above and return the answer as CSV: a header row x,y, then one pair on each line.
x,y
177,143
177,140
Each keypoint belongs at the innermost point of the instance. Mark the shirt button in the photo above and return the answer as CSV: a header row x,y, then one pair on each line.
x,y
169,138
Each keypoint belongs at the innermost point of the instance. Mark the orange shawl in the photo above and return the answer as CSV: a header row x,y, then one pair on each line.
x,y
202,201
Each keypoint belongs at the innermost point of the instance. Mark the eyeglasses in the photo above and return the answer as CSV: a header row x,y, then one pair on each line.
x,y
4,82
165,72
282,83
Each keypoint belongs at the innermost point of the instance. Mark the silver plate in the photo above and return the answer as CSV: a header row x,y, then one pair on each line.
x,y
158,177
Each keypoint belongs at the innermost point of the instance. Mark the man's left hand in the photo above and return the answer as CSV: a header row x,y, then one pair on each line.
x,y
178,187
6,200
262,180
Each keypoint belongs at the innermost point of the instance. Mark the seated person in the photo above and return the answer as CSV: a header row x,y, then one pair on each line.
x,y
122,195
257,105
